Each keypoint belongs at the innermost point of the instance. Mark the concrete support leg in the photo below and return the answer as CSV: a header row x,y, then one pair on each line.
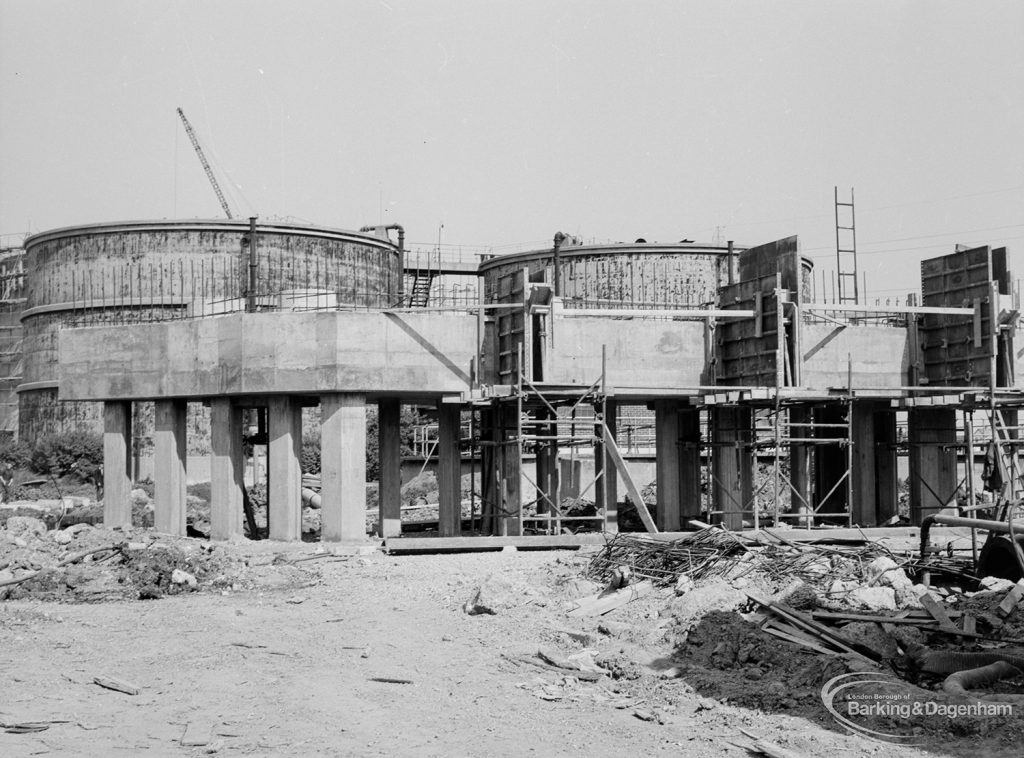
x,y
689,465
449,470
933,479
732,465
864,508
284,427
667,464
117,449
343,467
227,465
169,491
831,463
886,476
389,450
608,485
799,464
510,475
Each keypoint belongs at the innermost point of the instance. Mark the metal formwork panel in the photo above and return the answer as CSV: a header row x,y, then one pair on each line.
x,y
959,350
747,349
511,325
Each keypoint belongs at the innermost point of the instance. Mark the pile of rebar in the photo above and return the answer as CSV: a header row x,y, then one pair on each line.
x,y
707,552
717,552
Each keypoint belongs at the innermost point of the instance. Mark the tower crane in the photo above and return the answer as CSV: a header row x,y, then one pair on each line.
x,y
206,163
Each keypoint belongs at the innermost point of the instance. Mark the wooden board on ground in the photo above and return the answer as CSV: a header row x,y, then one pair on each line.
x,y
596,605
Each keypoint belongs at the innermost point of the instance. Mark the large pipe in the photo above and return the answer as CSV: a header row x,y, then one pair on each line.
x,y
1000,527
401,254
560,237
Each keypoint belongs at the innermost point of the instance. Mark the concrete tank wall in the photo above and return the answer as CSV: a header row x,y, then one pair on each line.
x,y
141,271
12,303
679,275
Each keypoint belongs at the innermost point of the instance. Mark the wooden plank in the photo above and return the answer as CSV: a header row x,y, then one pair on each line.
x,y
398,545
598,605
799,641
634,493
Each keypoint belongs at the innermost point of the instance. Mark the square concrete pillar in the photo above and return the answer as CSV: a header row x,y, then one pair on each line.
x,y
117,450
886,476
732,465
389,465
343,467
933,455
689,465
449,470
666,429
284,498
227,464
831,462
799,464
169,482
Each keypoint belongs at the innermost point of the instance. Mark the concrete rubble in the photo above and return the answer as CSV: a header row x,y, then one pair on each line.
x,y
767,624
83,563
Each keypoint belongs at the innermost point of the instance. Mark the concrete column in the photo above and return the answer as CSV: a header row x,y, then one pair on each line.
x,y
732,464
169,480
669,476
864,508
830,460
343,467
449,470
117,449
547,465
610,481
284,427
799,464
886,476
933,476
227,465
389,465
689,465
510,479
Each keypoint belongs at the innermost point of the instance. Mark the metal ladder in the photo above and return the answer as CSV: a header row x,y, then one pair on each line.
x,y
846,251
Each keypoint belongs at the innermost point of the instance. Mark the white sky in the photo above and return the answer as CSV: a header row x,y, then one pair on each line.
x,y
508,121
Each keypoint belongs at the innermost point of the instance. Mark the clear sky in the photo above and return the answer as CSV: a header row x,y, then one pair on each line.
x,y
509,121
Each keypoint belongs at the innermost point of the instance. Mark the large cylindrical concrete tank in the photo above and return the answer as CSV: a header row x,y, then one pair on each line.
x,y
156,270
640,274
12,303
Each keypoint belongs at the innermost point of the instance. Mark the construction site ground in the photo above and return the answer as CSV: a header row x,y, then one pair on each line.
x,y
281,651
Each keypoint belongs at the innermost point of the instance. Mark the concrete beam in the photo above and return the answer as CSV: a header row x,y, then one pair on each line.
x,y
117,448
449,480
284,427
343,467
169,476
389,466
227,465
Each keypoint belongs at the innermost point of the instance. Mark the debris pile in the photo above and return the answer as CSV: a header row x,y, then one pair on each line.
x,y
82,563
767,622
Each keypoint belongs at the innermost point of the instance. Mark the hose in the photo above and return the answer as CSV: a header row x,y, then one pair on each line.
x,y
959,683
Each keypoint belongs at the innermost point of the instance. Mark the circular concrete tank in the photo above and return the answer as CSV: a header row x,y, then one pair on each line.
x,y
640,274
141,271
655,275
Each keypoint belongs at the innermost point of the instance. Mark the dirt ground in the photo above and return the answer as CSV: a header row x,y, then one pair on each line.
x,y
294,668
